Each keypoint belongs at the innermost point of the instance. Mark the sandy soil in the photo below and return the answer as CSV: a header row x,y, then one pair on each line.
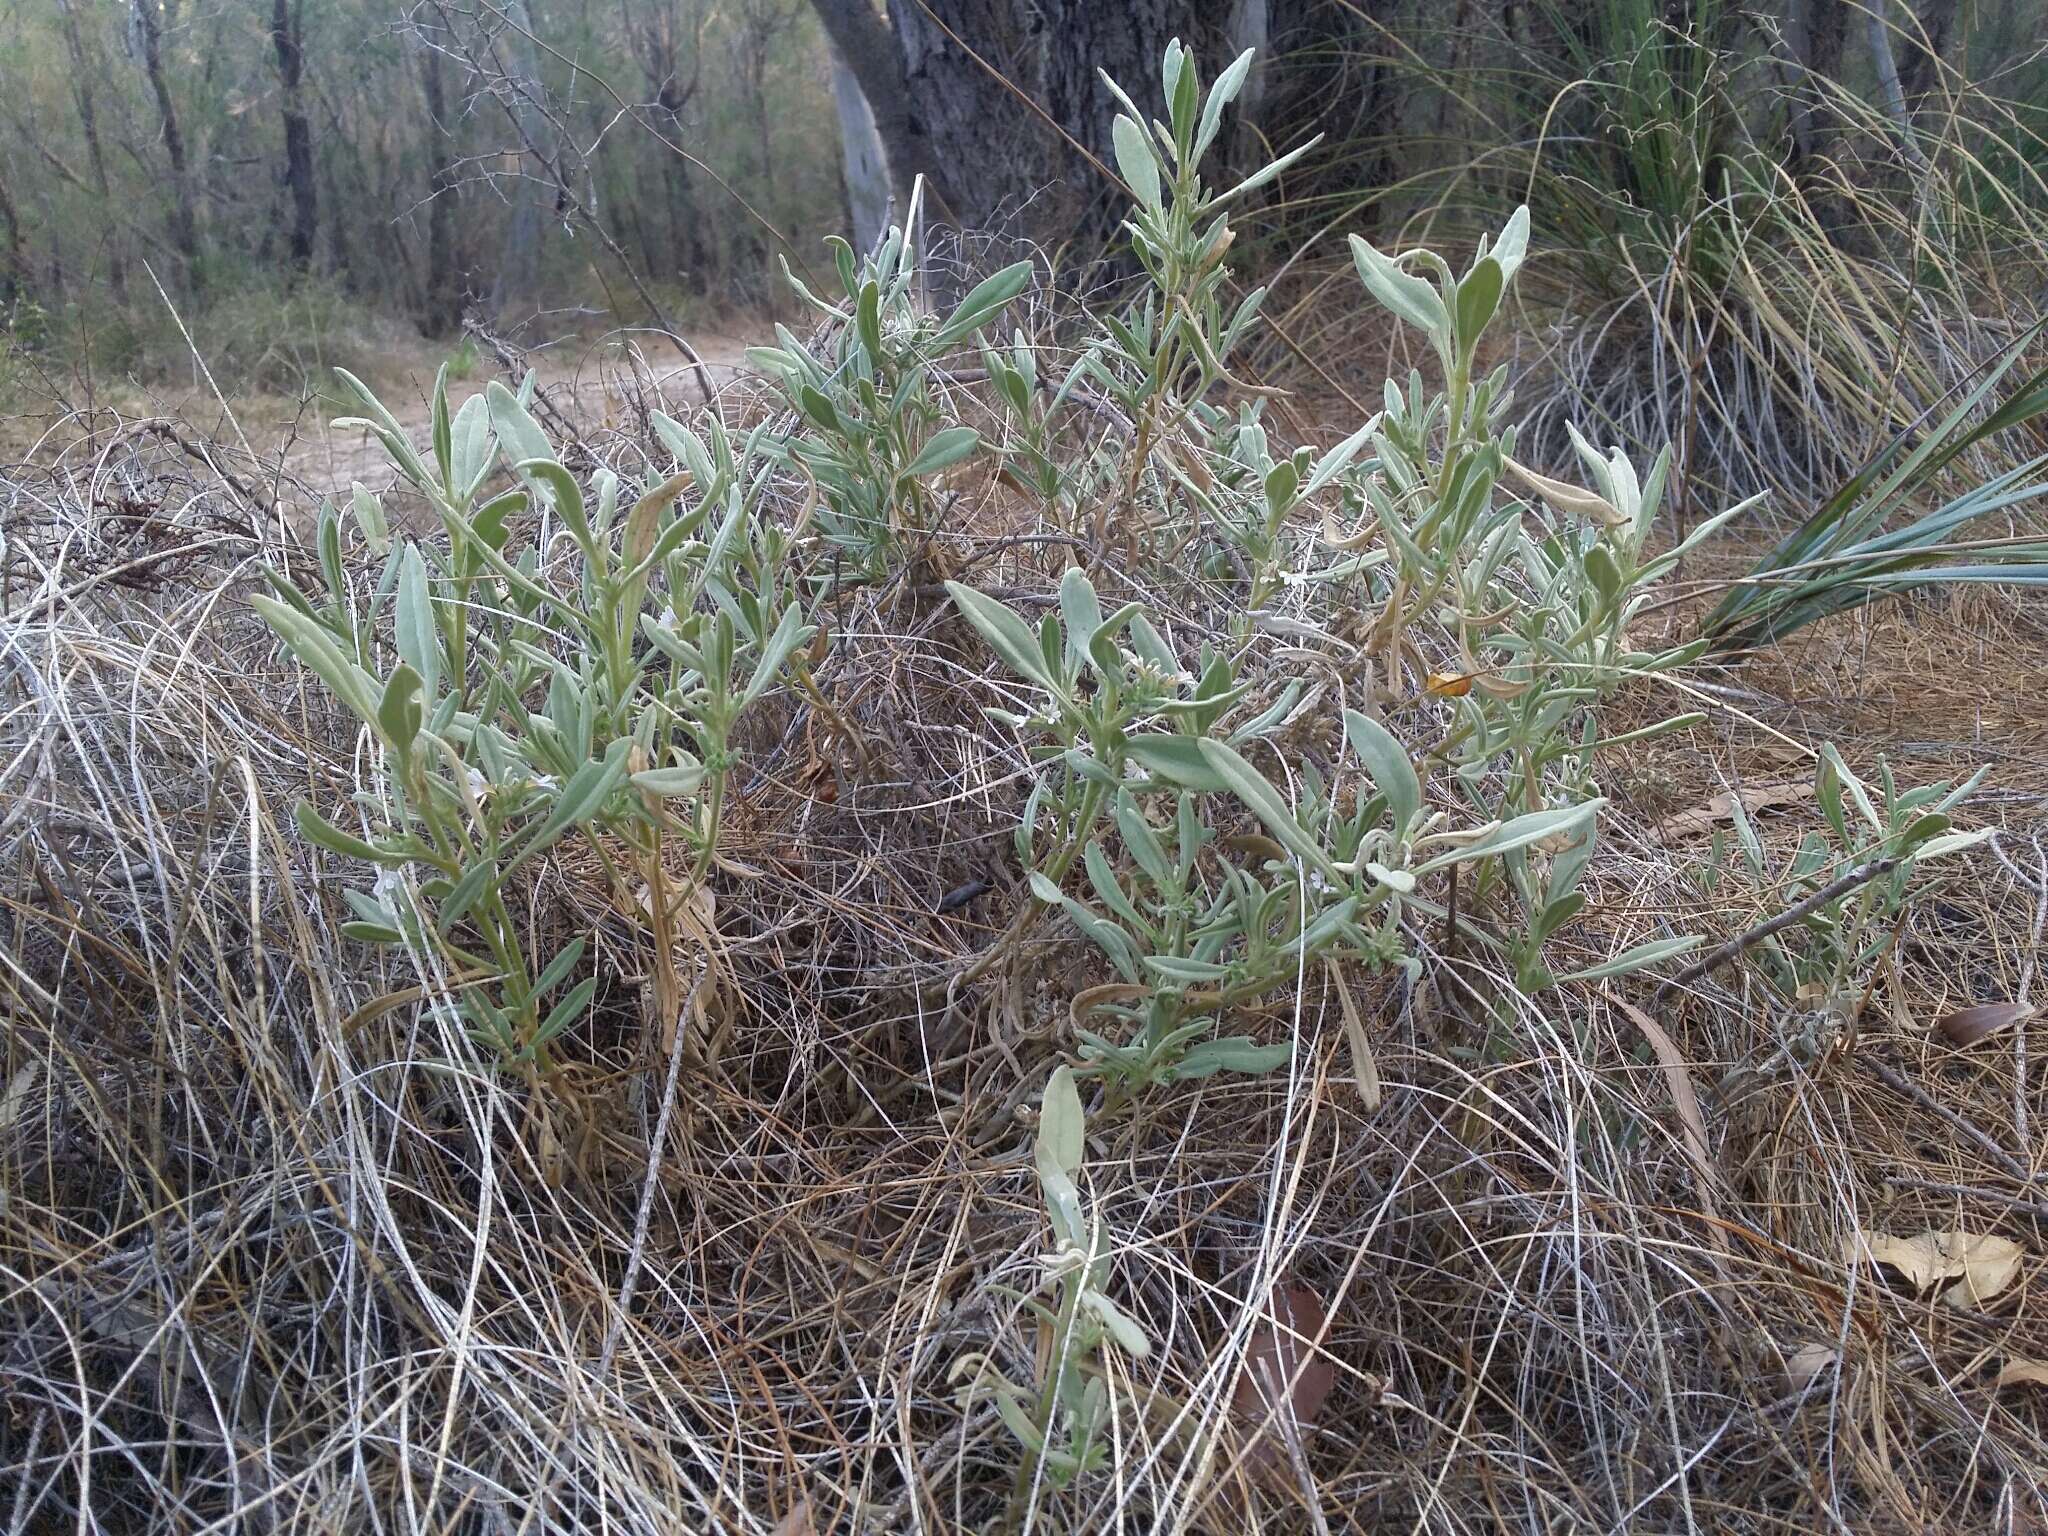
x,y
589,382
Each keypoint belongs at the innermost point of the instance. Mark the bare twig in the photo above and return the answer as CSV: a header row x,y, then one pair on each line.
x,y
1723,953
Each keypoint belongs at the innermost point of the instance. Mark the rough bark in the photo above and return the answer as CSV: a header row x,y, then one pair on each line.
x,y
1085,40
287,36
1818,31
974,69
899,101
184,225
1925,47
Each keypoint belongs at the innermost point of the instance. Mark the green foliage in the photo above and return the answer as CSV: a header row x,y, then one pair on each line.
x,y
514,701
1060,1423
874,432
445,151
1824,962
1867,540
1146,759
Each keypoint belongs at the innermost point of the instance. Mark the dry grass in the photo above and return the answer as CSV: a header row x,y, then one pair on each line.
x,y
276,1252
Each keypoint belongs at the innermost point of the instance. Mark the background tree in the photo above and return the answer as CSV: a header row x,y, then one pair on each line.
x,y
288,37
295,171
184,226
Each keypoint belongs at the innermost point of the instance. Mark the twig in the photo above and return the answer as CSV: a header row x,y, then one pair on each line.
x,y
637,1254
192,450
1785,919
1927,1101
2038,1209
513,361
199,358
2038,884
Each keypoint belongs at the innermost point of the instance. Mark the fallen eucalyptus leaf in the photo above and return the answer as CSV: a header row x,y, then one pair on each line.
x,y
1755,797
1966,1026
1284,1383
1980,1266
2022,1373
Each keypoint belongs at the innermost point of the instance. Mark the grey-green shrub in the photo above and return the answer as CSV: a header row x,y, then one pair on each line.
x,y
671,613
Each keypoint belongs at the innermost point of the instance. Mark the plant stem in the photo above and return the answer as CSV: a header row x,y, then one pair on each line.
x,y
1048,1395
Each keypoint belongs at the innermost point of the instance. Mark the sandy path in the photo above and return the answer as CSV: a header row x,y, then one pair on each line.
x,y
587,381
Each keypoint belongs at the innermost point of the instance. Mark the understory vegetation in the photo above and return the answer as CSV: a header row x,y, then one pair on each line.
x,y
1005,928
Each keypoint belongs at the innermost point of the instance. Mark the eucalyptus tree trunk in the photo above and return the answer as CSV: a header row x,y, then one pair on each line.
x,y
872,53
13,249
443,314
1086,40
864,163
519,255
184,225
1011,94
1818,33
287,36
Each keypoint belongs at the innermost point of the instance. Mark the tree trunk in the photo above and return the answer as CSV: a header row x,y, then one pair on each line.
x,y
894,94
443,315
287,36
1878,29
82,76
655,37
519,254
1926,48
1002,99
184,226
1085,40
864,165
13,251
688,255
997,152
1818,31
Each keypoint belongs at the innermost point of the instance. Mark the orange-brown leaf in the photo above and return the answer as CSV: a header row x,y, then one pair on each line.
x,y
1287,1374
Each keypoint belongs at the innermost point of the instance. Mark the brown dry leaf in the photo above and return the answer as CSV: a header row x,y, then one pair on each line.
x,y
1755,797
2022,1373
1678,1079
1450,685
1807,1362
1280,1353
1966,1026
1980,1266
19,1087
